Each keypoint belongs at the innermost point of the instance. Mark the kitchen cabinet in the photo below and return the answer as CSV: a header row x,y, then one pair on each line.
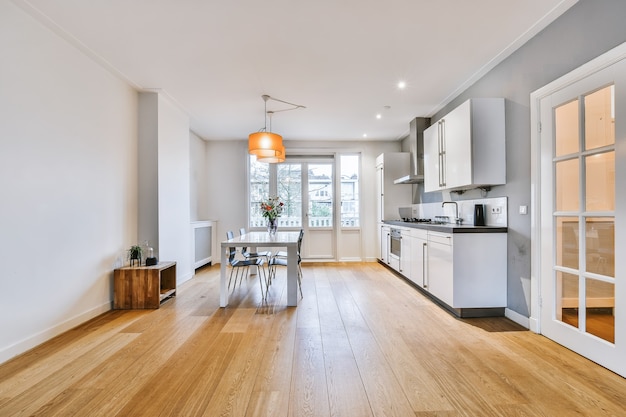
x,y
390,196
383,238
463,268
468,271
418,239
466,148
406,254
440,267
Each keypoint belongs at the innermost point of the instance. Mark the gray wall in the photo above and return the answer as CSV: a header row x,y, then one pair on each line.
x,y
587,30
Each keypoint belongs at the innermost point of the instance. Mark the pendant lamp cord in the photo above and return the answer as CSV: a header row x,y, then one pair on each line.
x,y
266,97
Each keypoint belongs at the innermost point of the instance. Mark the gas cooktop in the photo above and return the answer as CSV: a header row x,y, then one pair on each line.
x,y
414,220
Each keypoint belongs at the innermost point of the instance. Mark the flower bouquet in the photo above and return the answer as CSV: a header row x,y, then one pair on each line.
x,y
272,209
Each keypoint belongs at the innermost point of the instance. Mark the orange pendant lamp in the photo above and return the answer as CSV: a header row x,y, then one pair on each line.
x,y
266,144
276,159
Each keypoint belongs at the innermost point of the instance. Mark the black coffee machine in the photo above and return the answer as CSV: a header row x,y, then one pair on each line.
x,y
479,215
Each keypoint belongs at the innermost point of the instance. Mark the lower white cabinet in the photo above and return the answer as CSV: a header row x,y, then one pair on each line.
x,y
439,280
384,244
418,239
468,270
406,253
465,271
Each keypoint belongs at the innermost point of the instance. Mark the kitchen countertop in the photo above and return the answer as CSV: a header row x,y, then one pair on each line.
x,y
448,227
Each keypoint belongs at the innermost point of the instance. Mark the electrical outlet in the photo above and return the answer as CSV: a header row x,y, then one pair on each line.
x,y
496,210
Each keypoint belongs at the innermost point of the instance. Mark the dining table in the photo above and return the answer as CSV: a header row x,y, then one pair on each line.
x,y
253,240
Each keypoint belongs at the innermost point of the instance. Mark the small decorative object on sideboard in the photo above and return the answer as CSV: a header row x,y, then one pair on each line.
x,y
134,254
150,258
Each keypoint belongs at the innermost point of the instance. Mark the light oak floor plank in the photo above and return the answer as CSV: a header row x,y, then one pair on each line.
x,y
362,342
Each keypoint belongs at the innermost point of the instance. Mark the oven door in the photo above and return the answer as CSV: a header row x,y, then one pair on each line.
x,y
395,248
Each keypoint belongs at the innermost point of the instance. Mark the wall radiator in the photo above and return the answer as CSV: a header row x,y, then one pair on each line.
x,y
203,235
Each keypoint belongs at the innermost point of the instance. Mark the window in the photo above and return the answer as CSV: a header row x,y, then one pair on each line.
x,y
318,202
349,190
289,189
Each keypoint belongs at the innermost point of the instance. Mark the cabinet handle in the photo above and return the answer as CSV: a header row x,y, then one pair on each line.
x,y
439,134
443,152
400,257
424,266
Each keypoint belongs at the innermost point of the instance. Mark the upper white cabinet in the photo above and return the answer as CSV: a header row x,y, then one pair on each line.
x,y
466,147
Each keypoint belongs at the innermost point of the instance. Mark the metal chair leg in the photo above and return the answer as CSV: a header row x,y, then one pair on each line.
x,y
300,280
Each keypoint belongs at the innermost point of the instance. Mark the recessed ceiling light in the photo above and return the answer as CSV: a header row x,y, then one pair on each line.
x,y
364,135
401,85
379,116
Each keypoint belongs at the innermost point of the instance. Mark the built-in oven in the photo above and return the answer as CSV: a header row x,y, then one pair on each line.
x,y
395,244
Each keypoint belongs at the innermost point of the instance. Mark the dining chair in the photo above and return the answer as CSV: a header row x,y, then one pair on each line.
x,y
282,261
243,266
248,255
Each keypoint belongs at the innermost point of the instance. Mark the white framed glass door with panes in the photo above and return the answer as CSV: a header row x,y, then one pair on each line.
x,y
582,281
306,186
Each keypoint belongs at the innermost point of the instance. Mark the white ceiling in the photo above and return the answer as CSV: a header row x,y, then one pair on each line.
x,y
342,59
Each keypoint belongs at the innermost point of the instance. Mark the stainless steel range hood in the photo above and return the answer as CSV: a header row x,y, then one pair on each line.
x,y
416,139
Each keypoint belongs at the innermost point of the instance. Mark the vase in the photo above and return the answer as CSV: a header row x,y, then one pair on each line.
x,y
272,226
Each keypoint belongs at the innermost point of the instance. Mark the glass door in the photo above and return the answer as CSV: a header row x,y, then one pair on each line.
x,y
320,213
582,291
307,186
307,190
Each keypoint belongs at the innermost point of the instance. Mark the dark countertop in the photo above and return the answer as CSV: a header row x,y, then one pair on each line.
x,y
449,227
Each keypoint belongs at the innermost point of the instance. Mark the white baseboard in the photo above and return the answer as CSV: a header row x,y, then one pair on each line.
x,y
534,325
517,318
350,259
45,335
182,278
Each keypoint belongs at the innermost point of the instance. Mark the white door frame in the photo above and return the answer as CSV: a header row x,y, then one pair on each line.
x,y
604,61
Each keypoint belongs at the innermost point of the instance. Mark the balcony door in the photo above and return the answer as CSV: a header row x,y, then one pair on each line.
x,y
306,186
582,213
307,189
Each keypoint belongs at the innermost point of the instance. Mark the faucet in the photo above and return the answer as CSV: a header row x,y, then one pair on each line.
x,y
457,220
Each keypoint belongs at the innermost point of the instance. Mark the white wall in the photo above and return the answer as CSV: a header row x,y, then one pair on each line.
x,y
199,197
148,168
68,182
174,198
227,185
164,193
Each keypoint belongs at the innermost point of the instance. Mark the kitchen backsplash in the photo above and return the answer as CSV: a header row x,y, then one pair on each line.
x,y
496,211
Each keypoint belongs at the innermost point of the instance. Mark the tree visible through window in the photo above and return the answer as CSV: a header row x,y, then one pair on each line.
x,y
349,190
285,181
259,190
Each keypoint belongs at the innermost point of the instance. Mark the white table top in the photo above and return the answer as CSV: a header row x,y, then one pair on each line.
x,y
263,239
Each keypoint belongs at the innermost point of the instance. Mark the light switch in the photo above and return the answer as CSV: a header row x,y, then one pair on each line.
x,y
523,209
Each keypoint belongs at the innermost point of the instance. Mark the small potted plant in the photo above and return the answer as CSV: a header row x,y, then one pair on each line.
x,y
134,253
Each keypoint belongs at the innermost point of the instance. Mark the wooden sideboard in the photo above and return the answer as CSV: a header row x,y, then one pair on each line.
x,y
144,286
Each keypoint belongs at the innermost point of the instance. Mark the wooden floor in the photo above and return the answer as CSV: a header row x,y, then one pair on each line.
x,y
362,342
